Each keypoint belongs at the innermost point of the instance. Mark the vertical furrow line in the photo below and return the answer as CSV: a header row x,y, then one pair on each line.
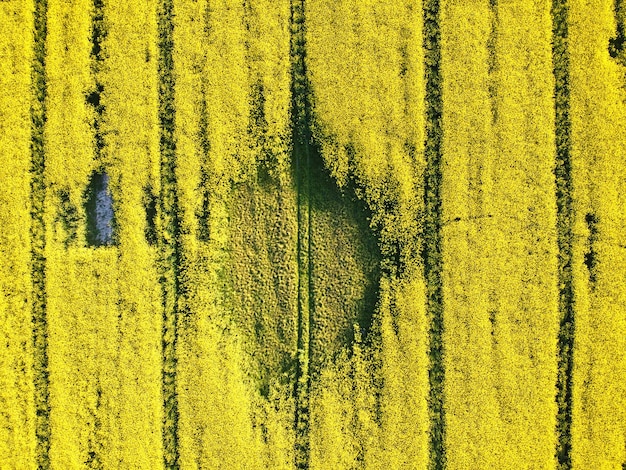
x,y
205,142
492,59
94,99
205,174
432,254
170,233
38,238
301,138
98,36
565,223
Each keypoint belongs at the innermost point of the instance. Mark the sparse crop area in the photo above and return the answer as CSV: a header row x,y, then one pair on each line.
x,y
313,234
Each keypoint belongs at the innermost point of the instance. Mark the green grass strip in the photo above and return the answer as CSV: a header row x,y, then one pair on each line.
x,y
565,223
432,254
301,135
492,59
38,238
169,239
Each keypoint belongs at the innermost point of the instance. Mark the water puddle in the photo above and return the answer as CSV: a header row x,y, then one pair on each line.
x,y
100,212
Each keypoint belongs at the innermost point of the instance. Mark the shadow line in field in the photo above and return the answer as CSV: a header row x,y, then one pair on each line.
x,y
432,255
38,116
492,59
565,228
169,238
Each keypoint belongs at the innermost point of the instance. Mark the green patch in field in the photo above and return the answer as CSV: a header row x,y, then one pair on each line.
x,y
67,217
150,201
345,264
264,233
617,42
344,269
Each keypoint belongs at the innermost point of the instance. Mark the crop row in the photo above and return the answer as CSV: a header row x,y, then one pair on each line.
x,y
597,432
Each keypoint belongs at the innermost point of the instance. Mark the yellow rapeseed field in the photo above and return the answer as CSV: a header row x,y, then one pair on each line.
x,y
313,234
17,391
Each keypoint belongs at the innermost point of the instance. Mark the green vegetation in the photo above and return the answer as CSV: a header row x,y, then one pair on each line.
x,y
433,261
38,237
302,159
565,221
169,241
